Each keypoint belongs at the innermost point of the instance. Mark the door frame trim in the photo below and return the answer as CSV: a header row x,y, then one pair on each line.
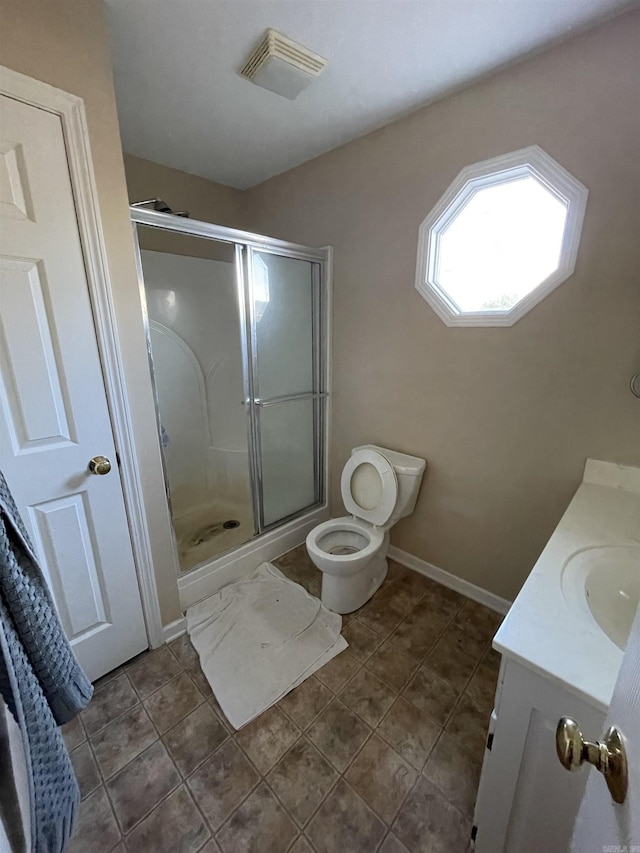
x,y
70,109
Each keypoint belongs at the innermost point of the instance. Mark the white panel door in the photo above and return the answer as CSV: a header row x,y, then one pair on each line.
x,y
53,408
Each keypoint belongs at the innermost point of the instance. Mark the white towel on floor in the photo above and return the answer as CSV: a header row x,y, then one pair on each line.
x,y
260,637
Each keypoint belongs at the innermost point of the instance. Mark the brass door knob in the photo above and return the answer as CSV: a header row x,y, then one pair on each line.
x,y
99,465
608,756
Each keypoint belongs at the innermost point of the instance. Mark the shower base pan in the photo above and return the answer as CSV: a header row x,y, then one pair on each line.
x,y
209,529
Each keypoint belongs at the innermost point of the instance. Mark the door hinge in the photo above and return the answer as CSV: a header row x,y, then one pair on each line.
x,y
474,832
490,741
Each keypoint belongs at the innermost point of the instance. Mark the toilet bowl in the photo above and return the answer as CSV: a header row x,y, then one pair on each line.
x,y
379,486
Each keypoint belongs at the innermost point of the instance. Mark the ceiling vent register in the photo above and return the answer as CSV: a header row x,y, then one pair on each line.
x,y
282,66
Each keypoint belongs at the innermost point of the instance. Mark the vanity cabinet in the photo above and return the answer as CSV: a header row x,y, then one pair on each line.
x,y
527,801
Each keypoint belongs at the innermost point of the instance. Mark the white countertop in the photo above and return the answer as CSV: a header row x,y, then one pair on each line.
x,y
545,630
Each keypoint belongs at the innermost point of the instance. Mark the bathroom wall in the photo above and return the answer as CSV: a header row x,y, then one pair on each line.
x,y
64,43
204,199
505,416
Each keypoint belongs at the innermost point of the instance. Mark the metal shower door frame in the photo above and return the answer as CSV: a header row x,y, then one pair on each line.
x,y
246,243
255,403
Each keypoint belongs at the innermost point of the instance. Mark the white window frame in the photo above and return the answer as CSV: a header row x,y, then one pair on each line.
x,y
533,162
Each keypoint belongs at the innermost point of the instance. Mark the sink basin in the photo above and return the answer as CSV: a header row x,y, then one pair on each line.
x,y
605,581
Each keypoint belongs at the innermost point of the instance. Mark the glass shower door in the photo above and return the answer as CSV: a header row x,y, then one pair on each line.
x,y
287,383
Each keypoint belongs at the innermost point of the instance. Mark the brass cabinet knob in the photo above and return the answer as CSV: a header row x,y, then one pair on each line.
x,y
99,465
608,756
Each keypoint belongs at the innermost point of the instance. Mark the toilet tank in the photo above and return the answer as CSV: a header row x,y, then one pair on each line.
x,y
409,472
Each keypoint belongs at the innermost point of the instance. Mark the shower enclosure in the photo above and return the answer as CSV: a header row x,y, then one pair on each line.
x,y
237,337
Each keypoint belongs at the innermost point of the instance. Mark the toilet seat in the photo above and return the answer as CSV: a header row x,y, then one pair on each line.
x,y
370,495
333,532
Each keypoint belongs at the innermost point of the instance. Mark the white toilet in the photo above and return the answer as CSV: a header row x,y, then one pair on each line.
x,y
379,487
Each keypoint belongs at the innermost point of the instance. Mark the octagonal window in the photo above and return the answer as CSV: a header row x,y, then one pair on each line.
x,y
504,235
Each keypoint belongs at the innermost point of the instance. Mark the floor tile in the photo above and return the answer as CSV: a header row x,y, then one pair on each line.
x,y
140,786
266,739
393,665
175,826
455,771
210,847
301,846
428,823
100,682
410,731
362,640
401,596
182,649
259,825
172,702
298,567
305,702
200,680
95,829
378,616
419,584
482,687
85,768
122,740
381,777
301,779
482,620
492,659
420,629
432,693
73,732
396,570
338,671
469,723
220,713
153,672
136,659
338,733
344,823
194,738
392,845
443,600
454,659
109,702
368,697
222,782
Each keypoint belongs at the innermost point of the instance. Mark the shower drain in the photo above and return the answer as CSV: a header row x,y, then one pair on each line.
x,y
211,530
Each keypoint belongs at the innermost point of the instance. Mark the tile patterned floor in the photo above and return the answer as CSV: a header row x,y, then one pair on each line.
x,y
379,752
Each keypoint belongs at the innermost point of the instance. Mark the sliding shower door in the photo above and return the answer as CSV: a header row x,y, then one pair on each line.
x,y
190,290
286,388
236,328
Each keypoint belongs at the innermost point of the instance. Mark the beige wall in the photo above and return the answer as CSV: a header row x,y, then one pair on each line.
x,y
64,43
203,199
506,416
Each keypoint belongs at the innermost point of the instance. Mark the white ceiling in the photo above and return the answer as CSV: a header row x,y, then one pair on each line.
x,y
182,103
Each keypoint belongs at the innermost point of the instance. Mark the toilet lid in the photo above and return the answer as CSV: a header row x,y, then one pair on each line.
x,y
369,487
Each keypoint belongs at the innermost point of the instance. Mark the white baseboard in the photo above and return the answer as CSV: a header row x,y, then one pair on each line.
x,y
477,593
208,579
174,629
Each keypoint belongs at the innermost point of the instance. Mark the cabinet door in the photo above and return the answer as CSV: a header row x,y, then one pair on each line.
x,y
526,801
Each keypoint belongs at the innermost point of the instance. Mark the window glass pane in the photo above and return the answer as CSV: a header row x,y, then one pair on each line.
x,y
504,242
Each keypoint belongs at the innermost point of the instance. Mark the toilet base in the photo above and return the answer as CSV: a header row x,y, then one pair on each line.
x,y
346,594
